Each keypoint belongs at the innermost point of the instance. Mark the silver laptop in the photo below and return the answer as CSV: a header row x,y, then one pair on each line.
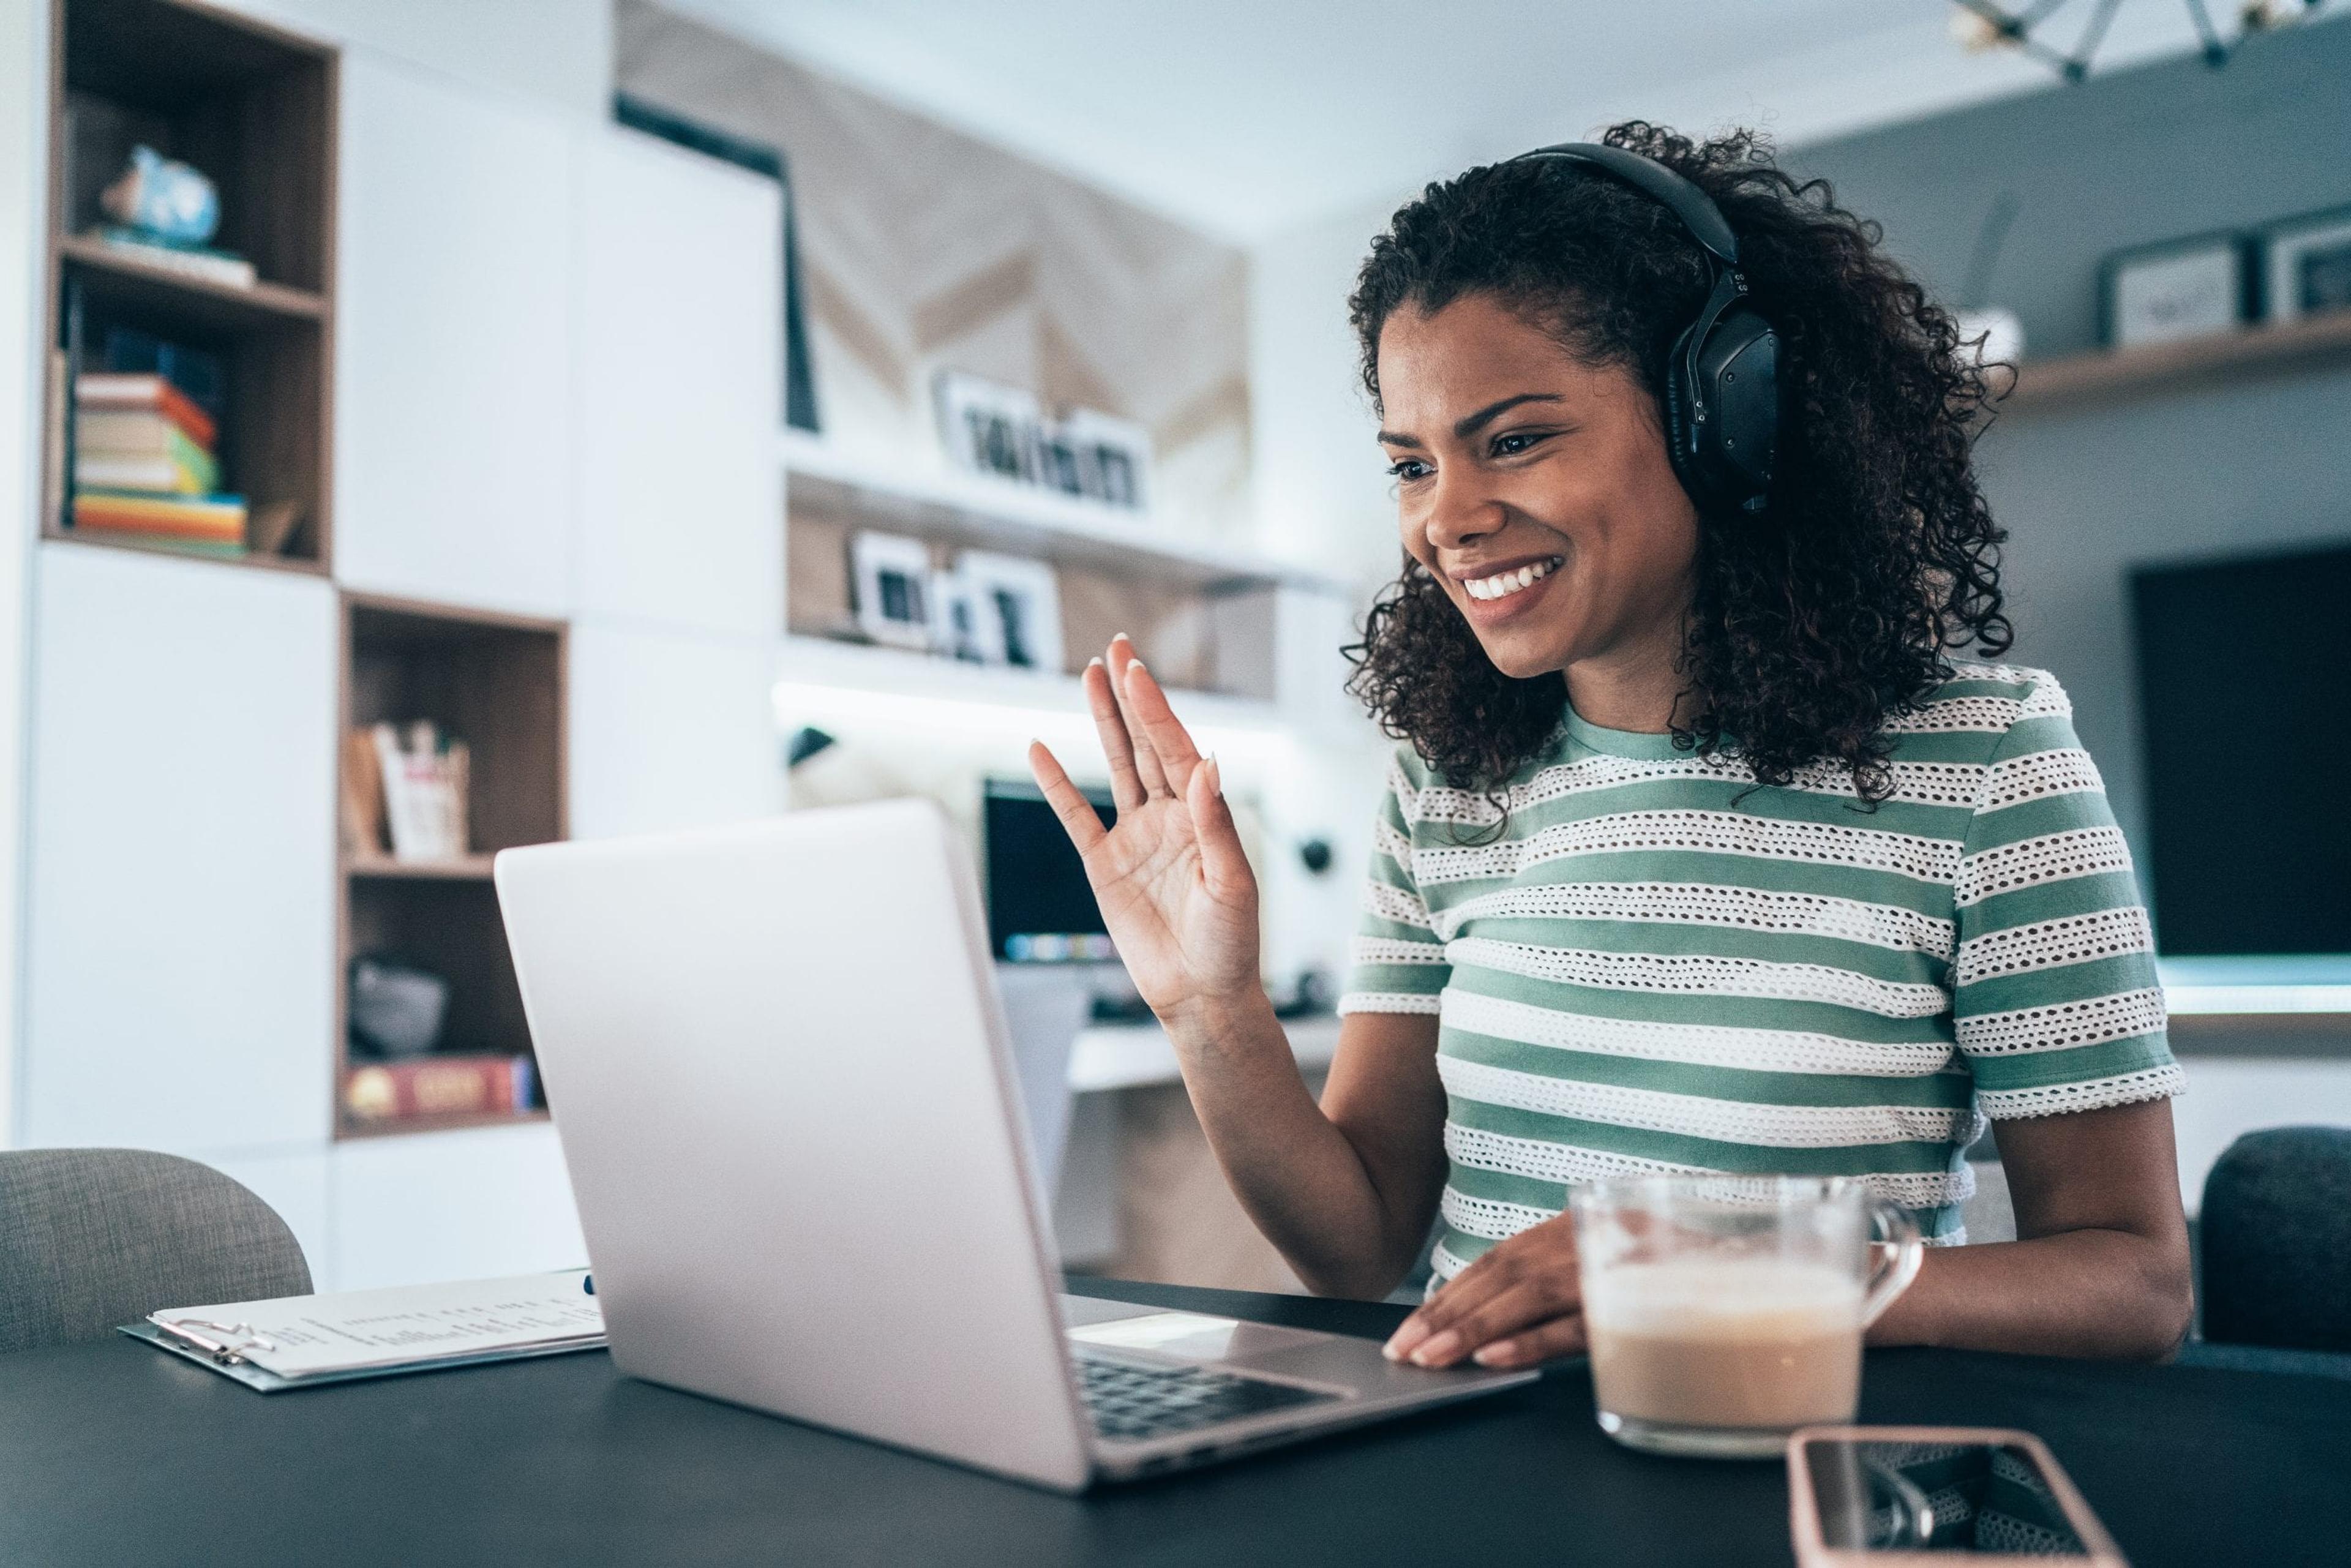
x,y
780,1073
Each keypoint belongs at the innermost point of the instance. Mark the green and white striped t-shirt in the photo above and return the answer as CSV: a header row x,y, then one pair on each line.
x,y
1660,966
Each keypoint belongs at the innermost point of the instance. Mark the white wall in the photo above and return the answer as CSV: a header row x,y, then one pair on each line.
x,y
24,157
1323,496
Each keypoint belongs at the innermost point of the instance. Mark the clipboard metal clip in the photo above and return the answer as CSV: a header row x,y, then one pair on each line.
x,y
228,1349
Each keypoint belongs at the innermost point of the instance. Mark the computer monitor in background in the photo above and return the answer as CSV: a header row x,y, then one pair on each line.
x,y
1040,909
2242,667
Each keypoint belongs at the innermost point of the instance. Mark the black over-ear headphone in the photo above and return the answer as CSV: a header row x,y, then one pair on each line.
x,y
1722,381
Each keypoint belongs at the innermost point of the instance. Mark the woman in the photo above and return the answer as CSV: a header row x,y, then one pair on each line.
x,y
1701,852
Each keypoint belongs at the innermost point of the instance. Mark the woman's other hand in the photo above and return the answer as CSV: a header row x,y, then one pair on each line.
x,y
1176,891
1520,1303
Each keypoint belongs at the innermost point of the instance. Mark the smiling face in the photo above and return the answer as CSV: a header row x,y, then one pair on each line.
x,y
1536,490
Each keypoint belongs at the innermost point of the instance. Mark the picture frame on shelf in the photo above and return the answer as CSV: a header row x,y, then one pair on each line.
x,y
2306,265
962,632
1019,606
987,427
2175,289
1112,457
891,576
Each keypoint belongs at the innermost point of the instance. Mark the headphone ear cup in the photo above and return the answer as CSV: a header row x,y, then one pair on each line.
x,y
1681,426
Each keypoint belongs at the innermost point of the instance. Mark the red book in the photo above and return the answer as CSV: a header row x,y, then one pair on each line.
x,y
140,389
451,1085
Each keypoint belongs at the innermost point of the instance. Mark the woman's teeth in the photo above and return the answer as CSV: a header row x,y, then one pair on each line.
x,y
1501,585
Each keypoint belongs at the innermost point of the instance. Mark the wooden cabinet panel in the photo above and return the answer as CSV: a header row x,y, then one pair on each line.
x,y
452,1206
679,376
670,730
182,934
455,476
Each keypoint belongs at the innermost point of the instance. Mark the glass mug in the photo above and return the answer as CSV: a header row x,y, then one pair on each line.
x,y
1725,1312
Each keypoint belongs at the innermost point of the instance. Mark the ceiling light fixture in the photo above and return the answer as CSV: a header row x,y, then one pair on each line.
x,y
1977,26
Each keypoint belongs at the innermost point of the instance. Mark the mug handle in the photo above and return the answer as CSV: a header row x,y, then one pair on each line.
x,y
1897,1263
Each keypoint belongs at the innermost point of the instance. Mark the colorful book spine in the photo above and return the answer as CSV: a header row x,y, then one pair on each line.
x,y
211,520
145,391
453,1085
182,469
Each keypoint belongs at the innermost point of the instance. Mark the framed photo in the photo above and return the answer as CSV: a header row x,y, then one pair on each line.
x,y
2177,288
961,632
891,575
988,427
1020,609
1112,457
2307,266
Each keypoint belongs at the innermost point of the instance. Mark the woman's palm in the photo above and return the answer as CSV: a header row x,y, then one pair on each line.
x,y
1179,939
1176,891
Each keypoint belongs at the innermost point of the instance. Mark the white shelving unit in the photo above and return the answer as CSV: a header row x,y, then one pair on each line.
x,y
979,511
813,663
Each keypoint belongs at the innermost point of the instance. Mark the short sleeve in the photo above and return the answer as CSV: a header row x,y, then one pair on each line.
x,y
1397,963
2054,994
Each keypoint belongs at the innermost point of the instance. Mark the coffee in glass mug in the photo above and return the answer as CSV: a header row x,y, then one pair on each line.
x,y
1723,1312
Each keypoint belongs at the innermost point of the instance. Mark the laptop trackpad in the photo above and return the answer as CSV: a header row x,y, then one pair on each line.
x,y
1191,1336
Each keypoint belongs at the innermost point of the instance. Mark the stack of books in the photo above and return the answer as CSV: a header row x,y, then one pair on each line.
x,y
144,464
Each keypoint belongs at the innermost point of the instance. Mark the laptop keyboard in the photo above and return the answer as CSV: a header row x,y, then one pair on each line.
x,y
1133,1403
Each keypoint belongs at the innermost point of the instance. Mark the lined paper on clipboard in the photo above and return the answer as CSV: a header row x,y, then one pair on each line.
x,y
298,1340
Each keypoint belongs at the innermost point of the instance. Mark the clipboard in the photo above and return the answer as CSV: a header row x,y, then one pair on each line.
x,y
237,1369
307,1342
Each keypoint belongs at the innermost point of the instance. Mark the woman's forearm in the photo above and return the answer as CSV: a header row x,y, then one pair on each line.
x,y
2107,1294
1302,1181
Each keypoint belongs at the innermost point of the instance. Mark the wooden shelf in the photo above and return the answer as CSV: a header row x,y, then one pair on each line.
x,y
473,868
303,564
348,1128
496,682
254,109
118,278
2111,375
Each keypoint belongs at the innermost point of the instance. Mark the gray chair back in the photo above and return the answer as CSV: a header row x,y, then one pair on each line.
x,y
2275,1261
93,1238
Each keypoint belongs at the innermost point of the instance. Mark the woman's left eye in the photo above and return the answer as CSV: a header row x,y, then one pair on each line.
x,y
1516,442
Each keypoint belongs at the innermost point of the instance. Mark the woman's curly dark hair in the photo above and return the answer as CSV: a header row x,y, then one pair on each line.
x,y
1813,624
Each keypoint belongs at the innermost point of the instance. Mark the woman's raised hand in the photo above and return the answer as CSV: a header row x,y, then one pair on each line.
x,y
1176,893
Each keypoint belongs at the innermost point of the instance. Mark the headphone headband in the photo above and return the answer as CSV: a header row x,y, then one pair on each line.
x,y
1685,201
1720,397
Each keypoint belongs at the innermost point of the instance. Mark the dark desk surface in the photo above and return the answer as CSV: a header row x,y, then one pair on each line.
x,y
114,1453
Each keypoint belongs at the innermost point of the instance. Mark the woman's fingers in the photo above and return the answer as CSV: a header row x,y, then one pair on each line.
x,y
1223,866
1118,748
1520,1305
1560,1336
1541,1257
1146,762
1158,728
1077,813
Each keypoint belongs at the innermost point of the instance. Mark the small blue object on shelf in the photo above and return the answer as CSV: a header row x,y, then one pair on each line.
x,y
163,198
588,1283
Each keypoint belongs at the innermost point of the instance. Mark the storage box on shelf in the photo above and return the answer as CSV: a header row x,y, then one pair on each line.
x,y
254,109
496,682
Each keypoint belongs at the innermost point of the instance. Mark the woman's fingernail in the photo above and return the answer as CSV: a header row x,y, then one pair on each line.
x,y
1092,662
1408,1334
1494,1355
1437,1349
1215,775
1134,664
